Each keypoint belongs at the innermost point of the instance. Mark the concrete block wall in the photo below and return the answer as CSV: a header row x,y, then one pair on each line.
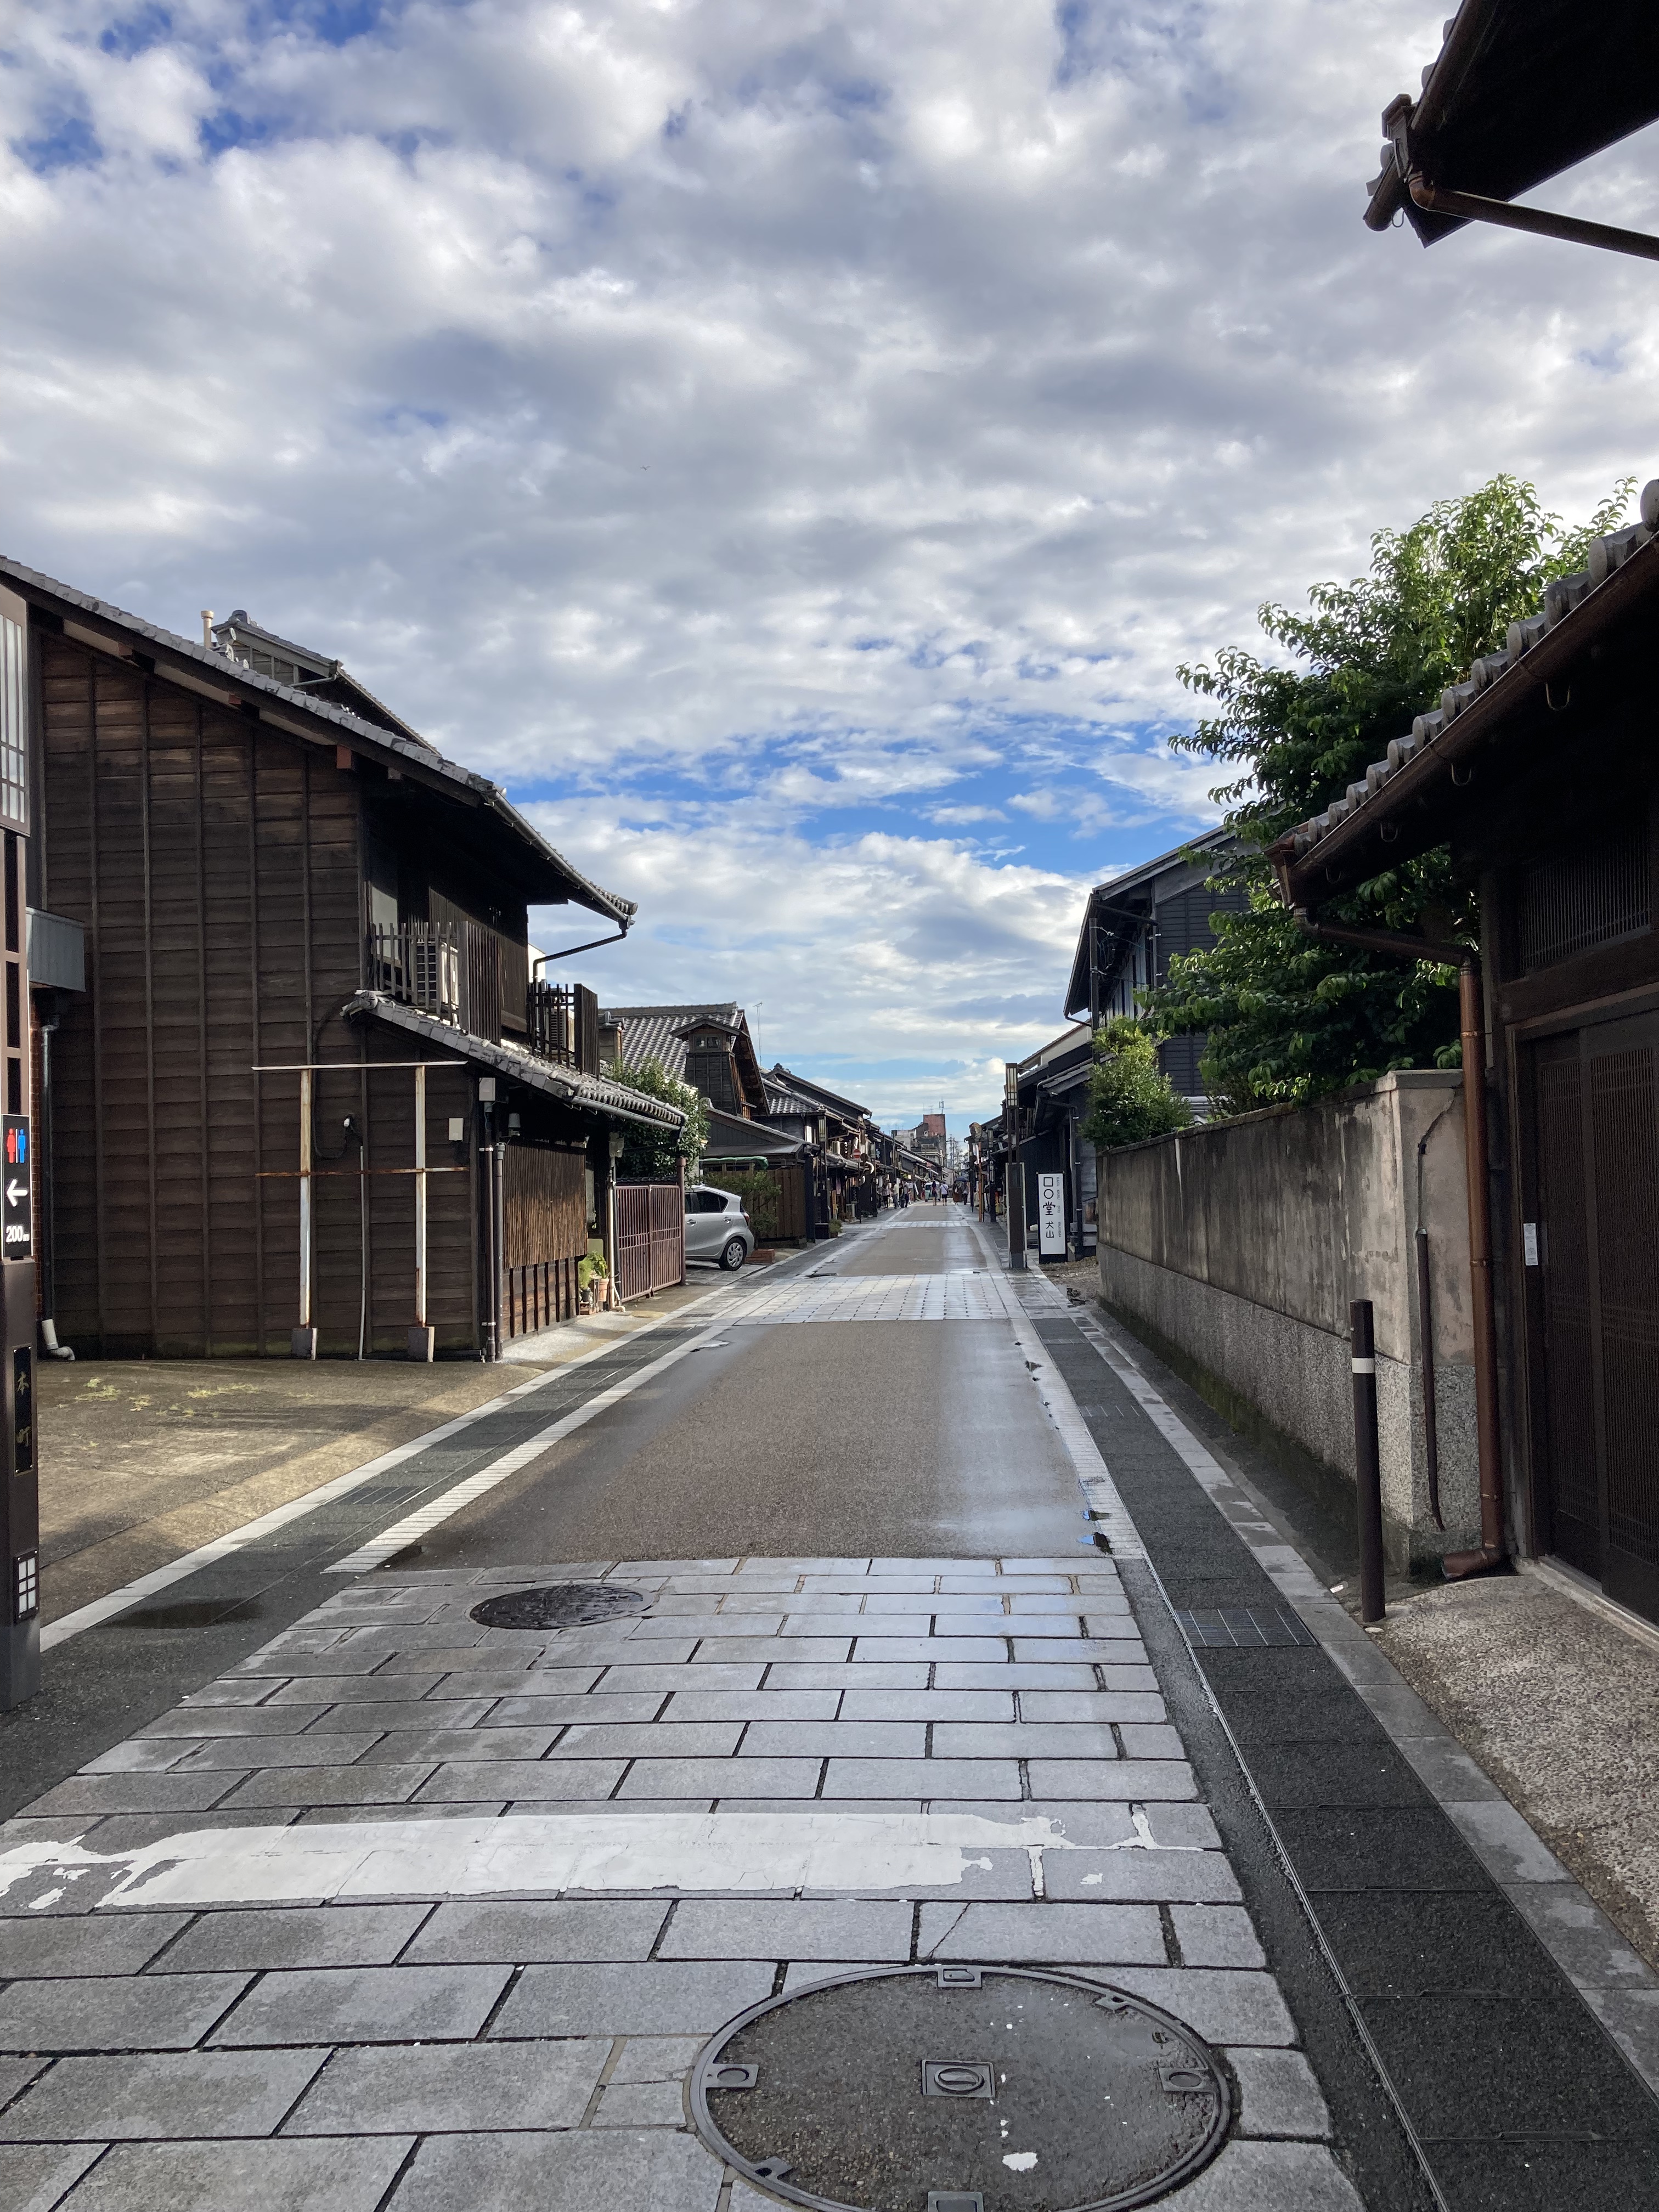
x,y
1241,1244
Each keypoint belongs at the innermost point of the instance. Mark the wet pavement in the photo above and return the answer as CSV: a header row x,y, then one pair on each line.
x,y
956,1654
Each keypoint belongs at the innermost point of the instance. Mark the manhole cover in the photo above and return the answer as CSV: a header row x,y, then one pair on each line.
x,y
1012,2088
559,1605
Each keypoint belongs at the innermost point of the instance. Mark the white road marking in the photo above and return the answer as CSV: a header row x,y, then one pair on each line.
x,y
543,1855
414,1526
958,1294
236,1539
1111,1515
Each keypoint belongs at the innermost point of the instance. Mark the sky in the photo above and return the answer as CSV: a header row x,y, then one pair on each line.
x,y
793,445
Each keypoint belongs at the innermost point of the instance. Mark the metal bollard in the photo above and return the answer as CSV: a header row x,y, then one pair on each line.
x,y
1367,1461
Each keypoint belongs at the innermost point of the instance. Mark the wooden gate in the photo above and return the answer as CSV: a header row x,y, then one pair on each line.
x,y
1593,1276
650,1238
544,1213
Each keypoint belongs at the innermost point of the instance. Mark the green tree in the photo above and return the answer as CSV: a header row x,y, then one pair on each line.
x,y
1128,1097
653,1155
1289,1017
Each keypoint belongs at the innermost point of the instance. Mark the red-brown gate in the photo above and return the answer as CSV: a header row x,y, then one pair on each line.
x,y
650,1238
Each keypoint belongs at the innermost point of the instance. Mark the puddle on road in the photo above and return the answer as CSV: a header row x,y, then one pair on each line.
x,y
199,1613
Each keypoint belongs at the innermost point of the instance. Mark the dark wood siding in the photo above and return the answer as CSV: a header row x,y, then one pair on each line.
x,y
215,864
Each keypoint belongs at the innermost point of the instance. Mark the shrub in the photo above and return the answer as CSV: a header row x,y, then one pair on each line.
x,y
651,1155
758,1189
1128,1098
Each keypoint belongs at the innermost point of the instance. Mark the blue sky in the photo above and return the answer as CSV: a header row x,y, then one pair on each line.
x,y
793,448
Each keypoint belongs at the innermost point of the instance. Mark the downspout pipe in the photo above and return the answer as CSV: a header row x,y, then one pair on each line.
x,y
1491,1554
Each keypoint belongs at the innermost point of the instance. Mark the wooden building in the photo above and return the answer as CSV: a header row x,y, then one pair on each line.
x,y
1134,926
710,1048
849,1151
1540,773
281,896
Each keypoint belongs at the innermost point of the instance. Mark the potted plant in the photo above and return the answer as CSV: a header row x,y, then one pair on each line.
x,y
593,1284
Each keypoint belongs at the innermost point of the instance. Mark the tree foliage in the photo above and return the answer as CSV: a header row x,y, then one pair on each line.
x,y
1289,1017
653,1155
1128,1097
759,1189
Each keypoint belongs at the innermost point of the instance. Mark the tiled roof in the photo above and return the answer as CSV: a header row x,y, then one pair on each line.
x,y
784,1098
596,1094
368,738
318,669
847,1107
649,1032
1504,674
1519,91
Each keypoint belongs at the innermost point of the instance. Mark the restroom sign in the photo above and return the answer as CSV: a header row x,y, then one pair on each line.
x,y
17,1212
1051,1217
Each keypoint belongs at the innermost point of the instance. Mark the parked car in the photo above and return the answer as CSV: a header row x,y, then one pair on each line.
x,y
716,1226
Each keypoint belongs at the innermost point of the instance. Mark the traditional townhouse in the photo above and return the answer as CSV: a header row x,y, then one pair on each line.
x,y
311,1096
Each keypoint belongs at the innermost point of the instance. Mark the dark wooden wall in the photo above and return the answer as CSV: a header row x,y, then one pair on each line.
x,y
216,867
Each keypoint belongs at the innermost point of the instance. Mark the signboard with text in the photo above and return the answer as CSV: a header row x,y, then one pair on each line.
x,y
17,1212
1051,1217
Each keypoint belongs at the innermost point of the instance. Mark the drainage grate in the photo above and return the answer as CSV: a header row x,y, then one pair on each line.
x,y
1245,1627
1017,2089
558,1605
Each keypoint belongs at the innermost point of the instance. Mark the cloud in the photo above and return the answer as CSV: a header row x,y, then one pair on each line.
x,y
905,962
783,429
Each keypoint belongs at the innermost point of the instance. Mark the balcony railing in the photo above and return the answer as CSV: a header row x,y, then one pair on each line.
x,y
550,1028
460,974
418,964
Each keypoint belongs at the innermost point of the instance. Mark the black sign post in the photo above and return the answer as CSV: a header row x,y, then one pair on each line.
x,y
20,1497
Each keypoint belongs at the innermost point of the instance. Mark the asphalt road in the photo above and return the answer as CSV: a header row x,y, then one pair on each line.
x,y
901,1438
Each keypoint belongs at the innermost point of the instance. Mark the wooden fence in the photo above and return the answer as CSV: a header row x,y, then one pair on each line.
x,y
544,1213
774,1200
650,1238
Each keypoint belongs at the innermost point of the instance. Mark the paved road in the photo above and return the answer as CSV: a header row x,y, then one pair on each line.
x,y
400,1909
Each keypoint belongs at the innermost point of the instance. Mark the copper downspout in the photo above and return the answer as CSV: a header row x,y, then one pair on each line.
x,y
1476,207
1457,1565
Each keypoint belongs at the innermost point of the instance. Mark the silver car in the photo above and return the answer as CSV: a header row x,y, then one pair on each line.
x,y
716,1226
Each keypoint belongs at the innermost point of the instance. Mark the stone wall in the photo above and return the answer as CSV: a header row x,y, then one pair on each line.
x,y
1240,1244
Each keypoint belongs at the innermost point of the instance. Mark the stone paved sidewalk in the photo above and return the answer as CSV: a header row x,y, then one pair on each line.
x,y
410,1912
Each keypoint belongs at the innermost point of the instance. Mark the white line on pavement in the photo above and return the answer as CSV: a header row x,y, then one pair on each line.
x,y
236,1539
427,1518
537,1855
1111,1515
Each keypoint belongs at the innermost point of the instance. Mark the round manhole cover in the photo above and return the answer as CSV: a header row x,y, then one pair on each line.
x,y
962,2089
559,1605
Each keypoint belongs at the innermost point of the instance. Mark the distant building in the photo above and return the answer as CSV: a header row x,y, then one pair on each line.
x,y
928,1141
707,1047
1134,926
1046,1118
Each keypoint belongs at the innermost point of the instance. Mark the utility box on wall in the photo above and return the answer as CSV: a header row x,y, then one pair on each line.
x,y
20,1515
